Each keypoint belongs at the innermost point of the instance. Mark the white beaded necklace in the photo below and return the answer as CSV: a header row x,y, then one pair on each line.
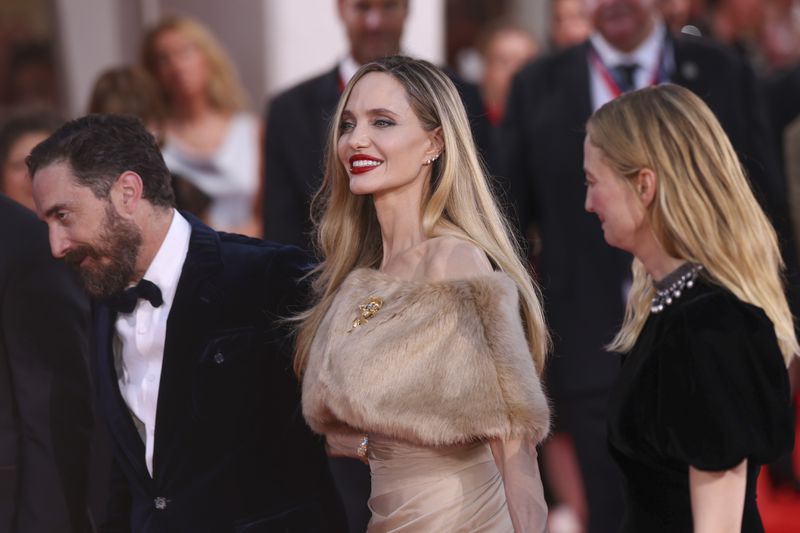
x,y
672,286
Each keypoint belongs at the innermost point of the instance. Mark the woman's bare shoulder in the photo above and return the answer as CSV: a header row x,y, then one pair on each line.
x,y
450,257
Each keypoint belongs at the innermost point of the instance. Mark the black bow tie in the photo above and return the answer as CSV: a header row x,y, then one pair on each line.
x,y
125,302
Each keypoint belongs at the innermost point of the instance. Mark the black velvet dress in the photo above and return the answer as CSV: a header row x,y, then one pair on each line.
x,y
704,386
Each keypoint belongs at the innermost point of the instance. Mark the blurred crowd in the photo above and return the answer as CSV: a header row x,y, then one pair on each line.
x,y
186,88
256,174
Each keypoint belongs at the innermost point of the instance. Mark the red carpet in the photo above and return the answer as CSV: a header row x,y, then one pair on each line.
x,y
780,509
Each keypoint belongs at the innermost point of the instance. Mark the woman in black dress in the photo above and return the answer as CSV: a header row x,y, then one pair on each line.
x,y
703,396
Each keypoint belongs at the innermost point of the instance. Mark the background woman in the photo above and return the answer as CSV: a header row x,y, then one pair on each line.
x,y
703,399
20,131
423,351
208,138
130,90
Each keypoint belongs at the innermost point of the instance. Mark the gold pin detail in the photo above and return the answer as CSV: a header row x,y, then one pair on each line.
x,y
368,310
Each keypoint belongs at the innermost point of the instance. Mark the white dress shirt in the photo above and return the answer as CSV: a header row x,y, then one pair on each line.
x,y
648,56
347,69
140,335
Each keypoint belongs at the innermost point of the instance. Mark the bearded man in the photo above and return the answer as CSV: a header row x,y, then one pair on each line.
x,y
193,364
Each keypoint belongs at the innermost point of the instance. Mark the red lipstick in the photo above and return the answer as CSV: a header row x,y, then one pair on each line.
x,y
361,163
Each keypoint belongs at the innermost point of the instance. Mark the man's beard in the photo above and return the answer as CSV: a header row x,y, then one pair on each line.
x,y
113,256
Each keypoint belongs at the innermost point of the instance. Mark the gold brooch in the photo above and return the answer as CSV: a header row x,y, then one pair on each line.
x,y
368,309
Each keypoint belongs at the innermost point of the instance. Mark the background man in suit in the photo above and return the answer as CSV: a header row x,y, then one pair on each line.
x,y
193,365
297,120
582,278
45,391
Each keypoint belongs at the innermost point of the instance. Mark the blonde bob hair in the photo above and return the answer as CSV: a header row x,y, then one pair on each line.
x,y
459,203
224,90
703,211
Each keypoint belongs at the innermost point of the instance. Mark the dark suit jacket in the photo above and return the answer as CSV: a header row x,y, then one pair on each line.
x,y
783,98
45,392
541,154
296,132
232,451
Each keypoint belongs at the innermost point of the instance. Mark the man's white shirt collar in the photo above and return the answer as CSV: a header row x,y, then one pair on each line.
x,y
165,269
647,55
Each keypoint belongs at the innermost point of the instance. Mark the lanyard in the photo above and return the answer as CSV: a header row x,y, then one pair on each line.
x,y
659,73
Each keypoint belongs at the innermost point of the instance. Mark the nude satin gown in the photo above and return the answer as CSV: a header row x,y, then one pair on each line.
x,y
448,489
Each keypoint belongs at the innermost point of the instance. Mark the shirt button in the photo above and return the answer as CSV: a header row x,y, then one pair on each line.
x,y
160,503
219,358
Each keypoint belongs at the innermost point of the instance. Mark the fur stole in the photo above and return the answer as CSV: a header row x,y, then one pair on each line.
x,y
440,363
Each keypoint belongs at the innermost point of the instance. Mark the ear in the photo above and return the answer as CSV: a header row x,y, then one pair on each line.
x,y
436,146
646,183
126,193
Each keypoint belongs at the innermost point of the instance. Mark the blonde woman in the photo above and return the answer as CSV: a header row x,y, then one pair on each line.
x,y
423,352
209,139
703,398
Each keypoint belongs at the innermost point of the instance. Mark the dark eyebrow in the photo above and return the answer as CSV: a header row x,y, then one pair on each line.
x,y
53,210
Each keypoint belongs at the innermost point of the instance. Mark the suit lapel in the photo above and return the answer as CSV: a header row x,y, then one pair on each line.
x,y
329,88
193,312
120,419
577,88
328,97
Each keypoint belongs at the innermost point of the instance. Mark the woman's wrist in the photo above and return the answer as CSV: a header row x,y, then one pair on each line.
x,y
350,445
363,448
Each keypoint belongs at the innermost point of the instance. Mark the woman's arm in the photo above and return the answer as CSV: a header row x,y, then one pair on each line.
x,y
718,499
516,460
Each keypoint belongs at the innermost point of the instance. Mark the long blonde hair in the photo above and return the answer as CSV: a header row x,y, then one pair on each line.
x,y
459,203
703,212
224,89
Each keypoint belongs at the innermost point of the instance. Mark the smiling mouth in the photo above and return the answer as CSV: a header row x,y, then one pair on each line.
x,y
360,164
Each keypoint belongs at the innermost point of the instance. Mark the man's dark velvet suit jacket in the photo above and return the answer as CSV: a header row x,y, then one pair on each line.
x,y
232,451
296,133
45,390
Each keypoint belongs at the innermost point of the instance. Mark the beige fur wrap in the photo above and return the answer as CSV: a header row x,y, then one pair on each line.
x,y
440,363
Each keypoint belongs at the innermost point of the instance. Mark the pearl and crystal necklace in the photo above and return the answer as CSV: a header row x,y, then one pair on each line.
x,y
672,286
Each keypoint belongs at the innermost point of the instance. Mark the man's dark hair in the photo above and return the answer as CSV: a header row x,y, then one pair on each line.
x,y
98,148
